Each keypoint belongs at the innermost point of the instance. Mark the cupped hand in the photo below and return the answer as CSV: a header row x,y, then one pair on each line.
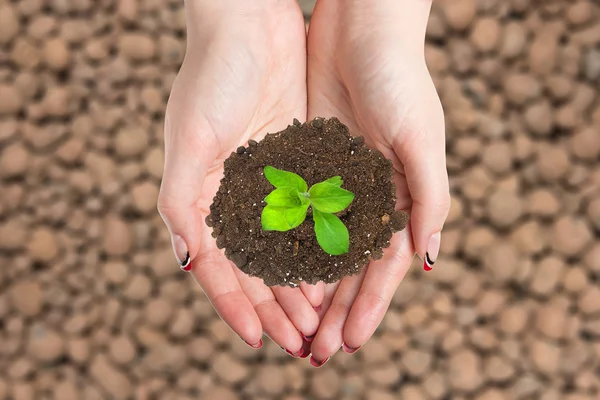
x,y
243,75
366,66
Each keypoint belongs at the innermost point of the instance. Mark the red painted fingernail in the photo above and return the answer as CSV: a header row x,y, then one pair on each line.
x,y
305,354
427,264
349,350
255,346
296,354
307,338
182,254
433,249
316,363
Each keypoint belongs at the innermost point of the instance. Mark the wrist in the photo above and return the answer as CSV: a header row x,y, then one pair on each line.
x,y
211,10
401,21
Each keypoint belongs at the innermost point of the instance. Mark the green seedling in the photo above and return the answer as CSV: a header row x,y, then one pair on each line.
x,y
287,206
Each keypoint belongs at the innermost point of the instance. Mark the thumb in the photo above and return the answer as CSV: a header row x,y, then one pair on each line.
x,y
422,151
188,156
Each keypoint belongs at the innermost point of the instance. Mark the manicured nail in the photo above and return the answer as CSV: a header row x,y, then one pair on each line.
x,y
316,363
296,354
305,353
307,338
181,253
255,346
433,249
349,350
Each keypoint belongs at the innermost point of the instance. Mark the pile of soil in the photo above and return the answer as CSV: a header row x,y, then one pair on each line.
x,y
316,151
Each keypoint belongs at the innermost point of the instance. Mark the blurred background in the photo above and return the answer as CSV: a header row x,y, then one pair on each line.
x,y
93,306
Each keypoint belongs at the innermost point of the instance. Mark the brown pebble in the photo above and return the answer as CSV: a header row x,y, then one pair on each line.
x,y
416,362
14,160
579,12
543,53
465,371
570,235
56,54
42,245
539,118
128,10
11,99
144,195
459,14
548,273
504,208
552,162
219,392
485,34
546,356
521,88
27,297
122,350
544,203
10,23
117,236
66,390
117,384
514,40
138,288
45,345
271,380
551,321
497,157
230,370
137,46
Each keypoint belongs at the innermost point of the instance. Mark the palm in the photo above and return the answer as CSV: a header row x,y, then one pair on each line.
x,y
237,87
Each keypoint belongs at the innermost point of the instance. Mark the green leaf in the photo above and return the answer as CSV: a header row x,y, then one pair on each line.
x,y
335,180
282,218
331,233
285,179
284,197
329,198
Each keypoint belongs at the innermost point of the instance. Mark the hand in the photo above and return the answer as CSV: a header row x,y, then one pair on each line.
x,y
366,65
243,75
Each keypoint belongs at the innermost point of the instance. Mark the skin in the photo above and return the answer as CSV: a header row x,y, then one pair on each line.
x,y
248,71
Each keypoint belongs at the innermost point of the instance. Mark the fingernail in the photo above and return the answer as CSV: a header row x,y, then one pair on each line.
x,y
307,338
305,353
181,253
255,346
296,354
316,363
433,249
349,350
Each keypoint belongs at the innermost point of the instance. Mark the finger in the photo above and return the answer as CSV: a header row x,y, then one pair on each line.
x,y
275,322
329,290
314,293
188,156
298,309
214,274
378,288
422,151
329,339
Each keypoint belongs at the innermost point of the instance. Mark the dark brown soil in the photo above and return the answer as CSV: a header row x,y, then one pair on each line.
x,y
316,151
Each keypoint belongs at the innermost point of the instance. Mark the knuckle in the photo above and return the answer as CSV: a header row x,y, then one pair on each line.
x,y
166,206
443,204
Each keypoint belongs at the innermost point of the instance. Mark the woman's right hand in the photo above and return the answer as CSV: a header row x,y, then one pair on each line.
x,y
244,74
